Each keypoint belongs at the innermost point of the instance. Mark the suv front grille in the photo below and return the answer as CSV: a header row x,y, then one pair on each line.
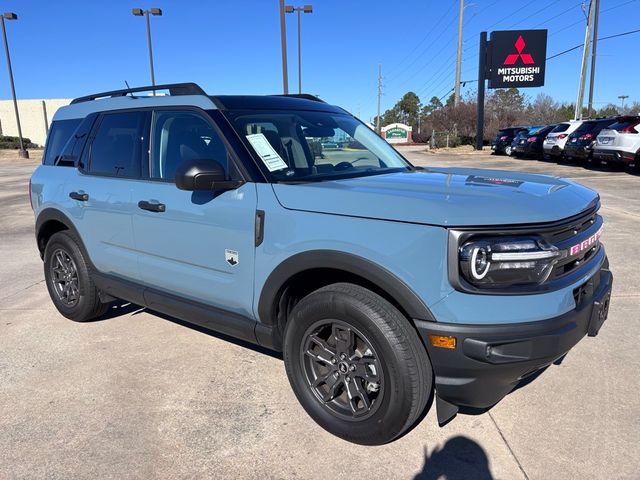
x,y
570,234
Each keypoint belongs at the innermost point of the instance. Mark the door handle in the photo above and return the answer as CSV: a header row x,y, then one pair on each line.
x,y
83,197
152,206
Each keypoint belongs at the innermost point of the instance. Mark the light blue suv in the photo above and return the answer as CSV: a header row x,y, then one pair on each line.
x,y
382,283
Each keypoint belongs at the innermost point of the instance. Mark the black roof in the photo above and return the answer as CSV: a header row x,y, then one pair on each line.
x,y
273,102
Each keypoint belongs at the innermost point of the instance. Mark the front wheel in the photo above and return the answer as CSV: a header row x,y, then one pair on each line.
x,y
356,365
508,150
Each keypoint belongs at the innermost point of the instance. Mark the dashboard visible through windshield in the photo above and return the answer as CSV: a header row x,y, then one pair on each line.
x,y
308,146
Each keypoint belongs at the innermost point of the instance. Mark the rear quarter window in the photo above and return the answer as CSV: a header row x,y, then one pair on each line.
x,y
59,134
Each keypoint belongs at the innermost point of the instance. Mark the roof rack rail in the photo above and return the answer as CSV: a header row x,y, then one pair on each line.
x,y
174,89
306,96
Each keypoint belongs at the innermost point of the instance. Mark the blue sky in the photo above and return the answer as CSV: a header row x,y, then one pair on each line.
x,y
69,48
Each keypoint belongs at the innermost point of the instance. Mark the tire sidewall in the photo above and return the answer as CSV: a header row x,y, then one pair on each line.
x,y
389,419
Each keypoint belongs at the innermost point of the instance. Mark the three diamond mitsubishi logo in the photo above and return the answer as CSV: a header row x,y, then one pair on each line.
x,y
526,58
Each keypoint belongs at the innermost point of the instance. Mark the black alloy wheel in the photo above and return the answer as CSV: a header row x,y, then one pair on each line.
x,y
342,369
64,275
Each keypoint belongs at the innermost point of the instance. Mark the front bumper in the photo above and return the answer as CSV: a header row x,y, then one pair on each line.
x,y
490,360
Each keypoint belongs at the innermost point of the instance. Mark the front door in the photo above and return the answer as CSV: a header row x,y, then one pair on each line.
x,y
199,245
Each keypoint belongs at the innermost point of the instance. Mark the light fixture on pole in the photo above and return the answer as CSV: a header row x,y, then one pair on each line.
x,y
623,98
12,16
138,12
299,10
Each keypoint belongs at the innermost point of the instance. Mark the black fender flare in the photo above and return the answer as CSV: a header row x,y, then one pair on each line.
x,y
410,302
49,214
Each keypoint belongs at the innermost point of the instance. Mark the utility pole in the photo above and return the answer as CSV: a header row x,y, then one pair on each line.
x,y
623,98
593,57
482,75
379,95
283,42
585,61
456,88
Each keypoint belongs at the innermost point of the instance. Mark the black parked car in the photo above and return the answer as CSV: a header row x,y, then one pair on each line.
x,y
529,144
580,144
502,142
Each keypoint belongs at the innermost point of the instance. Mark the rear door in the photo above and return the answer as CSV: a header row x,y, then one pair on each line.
x,y
199,245
100,191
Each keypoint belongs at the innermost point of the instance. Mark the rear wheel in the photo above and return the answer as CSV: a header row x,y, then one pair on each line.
x,y
68,280
356,365
508,150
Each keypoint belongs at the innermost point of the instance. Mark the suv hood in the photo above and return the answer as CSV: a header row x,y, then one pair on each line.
x,y
446,197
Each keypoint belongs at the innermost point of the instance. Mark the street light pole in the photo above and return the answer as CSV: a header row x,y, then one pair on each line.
x,y
299,10
283,44
138,12
12,16
623,98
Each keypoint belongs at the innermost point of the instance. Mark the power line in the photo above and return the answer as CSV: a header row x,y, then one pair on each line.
x,y
600,39
582,20
423,39
422,53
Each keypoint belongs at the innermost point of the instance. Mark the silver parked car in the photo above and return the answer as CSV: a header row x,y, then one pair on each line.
x,y
619,143
553,145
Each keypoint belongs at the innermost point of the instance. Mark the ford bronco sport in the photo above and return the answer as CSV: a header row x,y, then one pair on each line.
x,y
382,283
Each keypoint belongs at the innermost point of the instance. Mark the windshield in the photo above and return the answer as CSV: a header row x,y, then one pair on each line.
x,y
561,127
307,146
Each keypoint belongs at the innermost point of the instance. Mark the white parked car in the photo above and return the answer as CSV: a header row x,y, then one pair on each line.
x,y
620,143
553,145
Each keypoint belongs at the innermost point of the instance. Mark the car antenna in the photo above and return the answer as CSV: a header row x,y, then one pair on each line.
x,y
127,84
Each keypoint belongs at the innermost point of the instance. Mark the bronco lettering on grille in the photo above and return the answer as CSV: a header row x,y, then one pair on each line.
x,y
586,243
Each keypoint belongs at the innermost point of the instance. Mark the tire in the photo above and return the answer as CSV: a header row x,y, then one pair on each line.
x,y
78,298
508,150
388,356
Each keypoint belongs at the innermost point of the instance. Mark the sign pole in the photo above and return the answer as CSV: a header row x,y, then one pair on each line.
x,y
482,60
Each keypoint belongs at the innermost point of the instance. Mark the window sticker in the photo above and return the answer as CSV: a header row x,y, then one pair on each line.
x,y
267,153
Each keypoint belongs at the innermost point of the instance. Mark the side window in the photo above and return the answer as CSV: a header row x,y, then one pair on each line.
x,y
178,136
59,134
116,147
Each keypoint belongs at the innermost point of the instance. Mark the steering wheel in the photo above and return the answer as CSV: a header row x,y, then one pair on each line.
x,y
343,166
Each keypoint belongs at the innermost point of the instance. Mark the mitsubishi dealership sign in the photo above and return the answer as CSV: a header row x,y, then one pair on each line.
x,y
509,59
516,58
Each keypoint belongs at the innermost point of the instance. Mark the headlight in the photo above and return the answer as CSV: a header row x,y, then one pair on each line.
x,y
504,262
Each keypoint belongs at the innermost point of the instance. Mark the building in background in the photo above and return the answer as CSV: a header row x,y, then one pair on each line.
x,y
35,117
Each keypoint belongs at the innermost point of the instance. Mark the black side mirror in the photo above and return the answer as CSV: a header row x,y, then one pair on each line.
x,y
194,175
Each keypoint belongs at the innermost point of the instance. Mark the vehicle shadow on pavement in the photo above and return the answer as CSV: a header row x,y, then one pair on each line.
x,y
459,459
124,308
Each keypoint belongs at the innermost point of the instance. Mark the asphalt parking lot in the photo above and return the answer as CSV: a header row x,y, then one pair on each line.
x,y
139,396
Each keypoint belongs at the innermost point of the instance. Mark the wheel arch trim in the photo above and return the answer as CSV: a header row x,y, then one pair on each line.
x,y
397,289
53,214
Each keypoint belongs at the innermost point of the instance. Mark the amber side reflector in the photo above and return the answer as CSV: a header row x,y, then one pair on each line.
x,y
442,341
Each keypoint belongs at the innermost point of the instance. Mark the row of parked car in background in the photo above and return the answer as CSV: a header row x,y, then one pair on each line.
x,y
613,141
